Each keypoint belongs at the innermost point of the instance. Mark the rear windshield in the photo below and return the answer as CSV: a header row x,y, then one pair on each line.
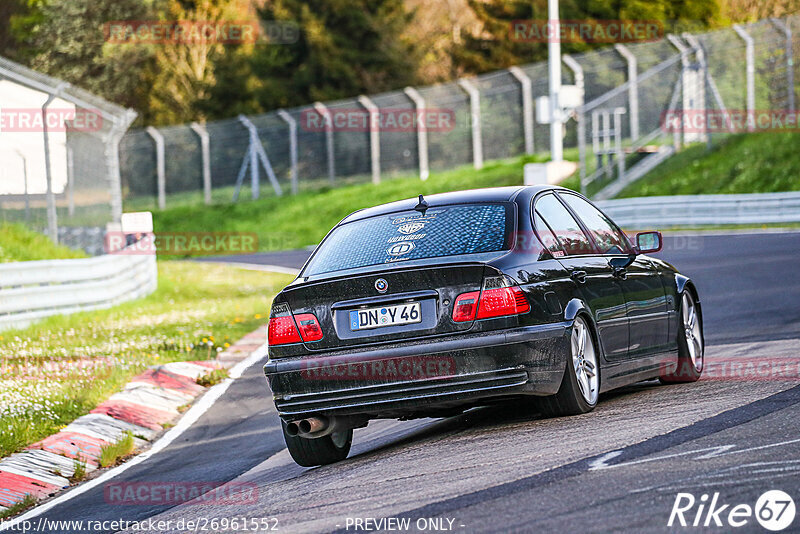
x,y
457,230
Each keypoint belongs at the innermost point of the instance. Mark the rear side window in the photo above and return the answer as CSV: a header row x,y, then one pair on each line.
x,y
609,238
458,230
566,229
546,235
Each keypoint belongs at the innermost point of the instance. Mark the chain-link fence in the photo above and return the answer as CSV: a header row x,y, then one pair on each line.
x,y
623,129
59,148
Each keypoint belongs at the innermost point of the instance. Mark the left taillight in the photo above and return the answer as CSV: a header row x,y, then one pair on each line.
x,y
283,327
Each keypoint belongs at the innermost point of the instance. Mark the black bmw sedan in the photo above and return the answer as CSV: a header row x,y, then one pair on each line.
x,y
431,306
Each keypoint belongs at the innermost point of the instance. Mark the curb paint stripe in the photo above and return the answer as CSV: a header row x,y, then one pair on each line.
x,y
103,426
186,369
16,487
135,414
165,379
73,445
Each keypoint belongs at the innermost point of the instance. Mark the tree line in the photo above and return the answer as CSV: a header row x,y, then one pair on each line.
x,y
329,49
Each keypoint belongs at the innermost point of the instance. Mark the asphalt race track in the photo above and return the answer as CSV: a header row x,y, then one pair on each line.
x,y
504,469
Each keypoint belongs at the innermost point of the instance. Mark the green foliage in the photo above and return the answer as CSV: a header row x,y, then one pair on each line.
x,y
65,39
111,454
78,471
493,48
743,163
345,47
29,501
18,243
212,378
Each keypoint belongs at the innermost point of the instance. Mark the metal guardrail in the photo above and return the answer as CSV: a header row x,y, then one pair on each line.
x,y
703,210
32,290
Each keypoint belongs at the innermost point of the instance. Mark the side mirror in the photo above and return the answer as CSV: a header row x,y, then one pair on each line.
x,y
647,242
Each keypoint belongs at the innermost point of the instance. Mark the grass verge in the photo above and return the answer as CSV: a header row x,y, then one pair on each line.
x,y
291,222
28,502
742,163
57,370
18,243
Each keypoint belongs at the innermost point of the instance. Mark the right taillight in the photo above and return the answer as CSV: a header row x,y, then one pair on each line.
x,y
502,301
309,327
498,298
285,328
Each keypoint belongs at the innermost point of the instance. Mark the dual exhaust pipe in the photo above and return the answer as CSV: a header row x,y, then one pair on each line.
x,y
320,426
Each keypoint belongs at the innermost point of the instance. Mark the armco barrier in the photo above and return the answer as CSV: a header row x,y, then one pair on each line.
x,y
32,290
703,210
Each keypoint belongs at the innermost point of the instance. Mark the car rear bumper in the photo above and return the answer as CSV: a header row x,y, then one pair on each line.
x,y
415,378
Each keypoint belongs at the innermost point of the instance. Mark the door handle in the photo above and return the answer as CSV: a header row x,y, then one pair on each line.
x,y
578,276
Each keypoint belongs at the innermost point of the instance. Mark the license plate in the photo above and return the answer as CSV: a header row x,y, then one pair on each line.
x,y
385,316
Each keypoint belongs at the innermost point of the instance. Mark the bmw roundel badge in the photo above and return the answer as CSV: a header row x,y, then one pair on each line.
x,y
381,285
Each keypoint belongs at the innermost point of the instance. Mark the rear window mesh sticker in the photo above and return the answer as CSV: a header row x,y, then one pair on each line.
x,y
454,231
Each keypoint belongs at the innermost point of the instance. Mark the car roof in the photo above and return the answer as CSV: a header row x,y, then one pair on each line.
x,y
487,194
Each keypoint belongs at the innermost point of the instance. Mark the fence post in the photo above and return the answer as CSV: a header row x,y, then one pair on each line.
x,y
70,184
787,32
120,125
633,87
205,154
158,139
527,106
288,119
680,138
475,115
323,110
25,183
700,54
751,74
52,216
256,152
422,133
374,137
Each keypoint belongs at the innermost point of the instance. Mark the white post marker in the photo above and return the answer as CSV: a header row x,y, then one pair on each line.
x,y
422,132
374,136
633,87
205,154
161,179
750,73
475,115
527,106
288,119
320,108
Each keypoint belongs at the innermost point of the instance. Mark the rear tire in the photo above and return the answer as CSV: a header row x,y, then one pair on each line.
x,y
318,451
691,348
580,386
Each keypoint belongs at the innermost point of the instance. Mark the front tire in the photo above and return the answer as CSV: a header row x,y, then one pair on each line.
x,y
691,348
318,451
580,386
